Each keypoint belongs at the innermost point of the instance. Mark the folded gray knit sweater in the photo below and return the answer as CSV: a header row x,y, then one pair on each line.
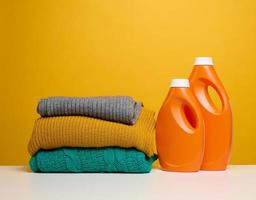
x,y
121,109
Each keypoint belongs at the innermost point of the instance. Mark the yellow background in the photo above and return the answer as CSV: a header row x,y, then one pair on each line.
x,y
121,47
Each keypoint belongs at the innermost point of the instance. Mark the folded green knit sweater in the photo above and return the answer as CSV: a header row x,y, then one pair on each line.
x,y
91,160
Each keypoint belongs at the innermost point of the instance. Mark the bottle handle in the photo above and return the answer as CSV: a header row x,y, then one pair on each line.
x,y
186,115
208,104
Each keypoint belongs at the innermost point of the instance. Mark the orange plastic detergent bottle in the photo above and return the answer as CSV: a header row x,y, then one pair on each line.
x,y
218,122
180,130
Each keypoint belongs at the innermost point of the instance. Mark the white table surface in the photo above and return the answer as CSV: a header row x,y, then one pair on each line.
x,y
237,182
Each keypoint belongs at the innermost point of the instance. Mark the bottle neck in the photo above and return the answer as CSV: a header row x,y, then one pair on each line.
x,y
203,69
206,66
173,89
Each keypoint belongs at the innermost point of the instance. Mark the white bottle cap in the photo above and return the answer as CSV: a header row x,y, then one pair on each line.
x,y
203,61
180,83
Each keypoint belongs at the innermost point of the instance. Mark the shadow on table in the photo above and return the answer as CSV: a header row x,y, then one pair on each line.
x,y
23,169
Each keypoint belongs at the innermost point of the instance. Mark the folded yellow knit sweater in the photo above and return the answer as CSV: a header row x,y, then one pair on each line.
x,y
79,131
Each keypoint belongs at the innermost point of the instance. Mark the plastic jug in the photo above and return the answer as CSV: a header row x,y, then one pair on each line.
x,y
218,122
180,130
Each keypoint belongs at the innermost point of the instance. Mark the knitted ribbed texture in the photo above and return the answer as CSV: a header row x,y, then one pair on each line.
x,y
91,160
77,131
121,109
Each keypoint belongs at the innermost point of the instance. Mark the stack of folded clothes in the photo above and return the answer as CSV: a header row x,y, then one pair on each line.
x,y
93,134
